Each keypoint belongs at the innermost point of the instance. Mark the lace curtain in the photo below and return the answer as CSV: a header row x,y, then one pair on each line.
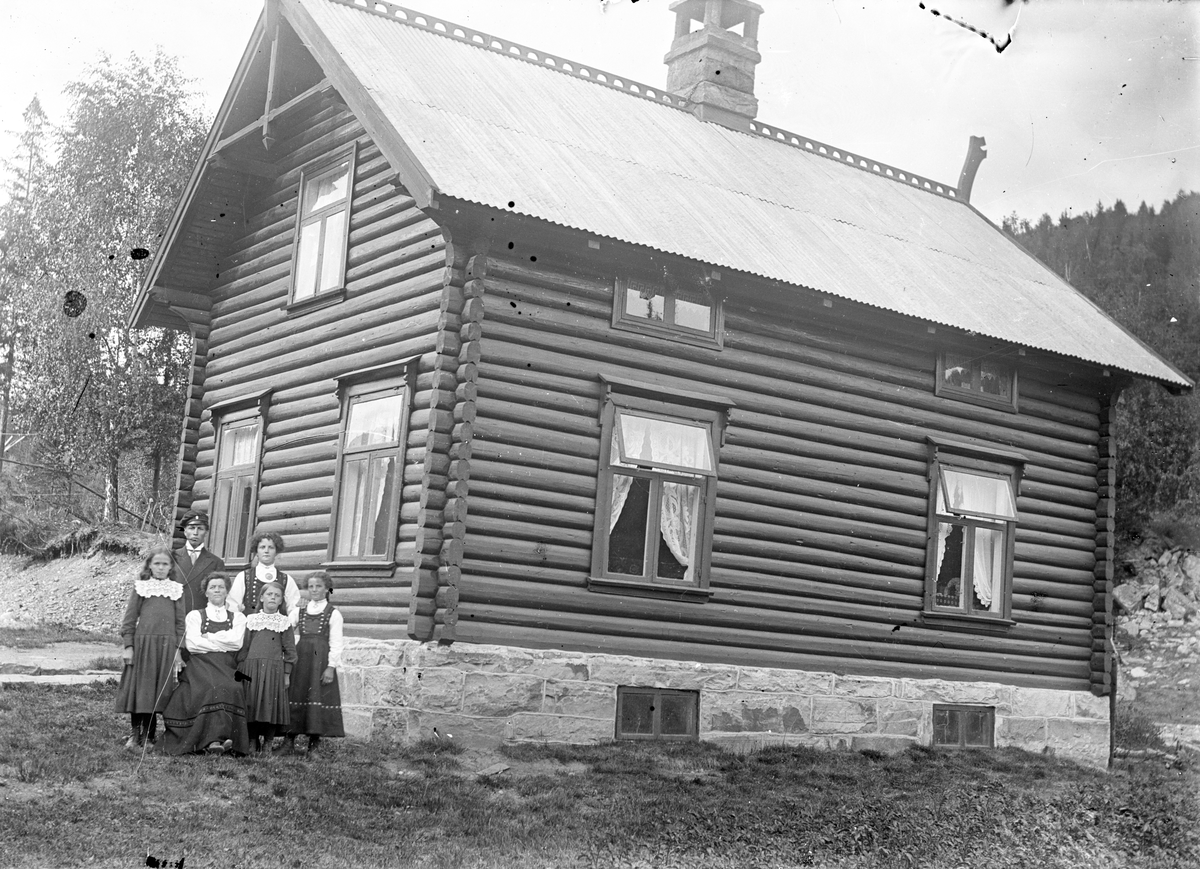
x,y
661,442
978,494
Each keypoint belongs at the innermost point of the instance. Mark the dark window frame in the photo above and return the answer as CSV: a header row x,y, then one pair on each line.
x,y
1002,464
974,394
624,692
962,709
355,386
673,406
313,173
713,338
236,413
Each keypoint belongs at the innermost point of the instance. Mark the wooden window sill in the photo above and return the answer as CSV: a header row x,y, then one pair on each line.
x,y
361,568
658,591
956,621
683,336
315,303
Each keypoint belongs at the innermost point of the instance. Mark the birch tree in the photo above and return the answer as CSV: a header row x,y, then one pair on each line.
x,y
96,391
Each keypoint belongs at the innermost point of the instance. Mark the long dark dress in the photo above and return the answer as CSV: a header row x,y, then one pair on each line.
x,y
208,705
154,626
316,709
265,657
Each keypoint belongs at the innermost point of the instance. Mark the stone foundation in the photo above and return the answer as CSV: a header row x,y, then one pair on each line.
x,y
402,690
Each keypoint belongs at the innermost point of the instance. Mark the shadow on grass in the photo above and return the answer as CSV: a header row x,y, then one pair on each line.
x,y
45,635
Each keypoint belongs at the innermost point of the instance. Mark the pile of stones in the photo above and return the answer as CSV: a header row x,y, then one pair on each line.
x,y
1162,589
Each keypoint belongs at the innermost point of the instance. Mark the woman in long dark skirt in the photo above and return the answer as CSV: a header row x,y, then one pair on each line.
x,y
207,710
316,702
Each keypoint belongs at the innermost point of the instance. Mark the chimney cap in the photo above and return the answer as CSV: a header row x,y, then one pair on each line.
x,y
731,14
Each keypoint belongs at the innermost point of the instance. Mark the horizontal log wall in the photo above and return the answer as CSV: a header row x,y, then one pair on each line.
x,y
819,544
395,277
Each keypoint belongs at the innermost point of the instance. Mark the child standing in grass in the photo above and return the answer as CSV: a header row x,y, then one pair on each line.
x,y
266,660
316,702
151,632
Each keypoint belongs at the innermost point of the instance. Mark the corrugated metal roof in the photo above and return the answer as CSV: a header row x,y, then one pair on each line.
x,y
493,129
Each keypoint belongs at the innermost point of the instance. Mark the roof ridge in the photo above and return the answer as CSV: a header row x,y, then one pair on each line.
x,y
515,50
585,72
865,164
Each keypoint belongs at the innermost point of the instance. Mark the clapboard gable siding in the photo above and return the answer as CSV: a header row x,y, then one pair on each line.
x,y
394,283
819,546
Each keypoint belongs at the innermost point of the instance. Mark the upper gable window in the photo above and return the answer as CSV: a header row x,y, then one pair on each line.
x,y
668,308
323,228
980,380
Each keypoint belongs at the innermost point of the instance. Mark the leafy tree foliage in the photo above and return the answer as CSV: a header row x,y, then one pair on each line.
x,y
1142,268
95,391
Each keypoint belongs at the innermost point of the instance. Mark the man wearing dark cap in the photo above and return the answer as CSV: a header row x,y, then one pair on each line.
x,y
193,562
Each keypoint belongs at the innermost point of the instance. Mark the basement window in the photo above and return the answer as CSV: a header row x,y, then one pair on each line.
x,y
657,713
673,308
964,726
982,380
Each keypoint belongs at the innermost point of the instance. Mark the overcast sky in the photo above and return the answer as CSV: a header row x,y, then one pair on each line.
x,y
1093,100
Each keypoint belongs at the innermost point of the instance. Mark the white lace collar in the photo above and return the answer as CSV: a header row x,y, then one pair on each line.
x,y
267,622
167,588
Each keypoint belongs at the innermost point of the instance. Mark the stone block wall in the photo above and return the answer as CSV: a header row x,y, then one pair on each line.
x,y
402,690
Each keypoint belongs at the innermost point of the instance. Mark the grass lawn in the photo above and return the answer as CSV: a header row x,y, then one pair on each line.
x,y
71,796
41,636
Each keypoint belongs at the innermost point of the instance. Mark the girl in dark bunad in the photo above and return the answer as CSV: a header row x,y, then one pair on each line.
x,y
266,661
207,711
247,585
316,702
152,632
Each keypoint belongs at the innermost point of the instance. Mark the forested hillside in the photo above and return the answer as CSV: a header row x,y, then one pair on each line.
x,y
1143,268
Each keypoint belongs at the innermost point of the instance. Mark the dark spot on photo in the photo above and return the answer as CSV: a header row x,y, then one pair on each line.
x,y
139,253
74,303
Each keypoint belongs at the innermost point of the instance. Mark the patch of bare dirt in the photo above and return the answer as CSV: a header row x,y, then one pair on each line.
x,y
87,592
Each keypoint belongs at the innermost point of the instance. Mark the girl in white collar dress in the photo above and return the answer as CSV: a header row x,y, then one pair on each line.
x,y
244,593
316,702
152,632
207,711
265,661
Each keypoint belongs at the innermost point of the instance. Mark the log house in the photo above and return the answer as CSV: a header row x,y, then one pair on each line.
x,y
742,437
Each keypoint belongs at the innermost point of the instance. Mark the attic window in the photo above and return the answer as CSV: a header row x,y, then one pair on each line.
x,y
323,228
982,380
678,309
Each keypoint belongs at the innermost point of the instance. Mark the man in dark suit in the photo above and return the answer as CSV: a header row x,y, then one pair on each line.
x,y
194,562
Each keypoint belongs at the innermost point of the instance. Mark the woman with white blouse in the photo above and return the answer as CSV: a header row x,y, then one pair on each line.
x,y
206,712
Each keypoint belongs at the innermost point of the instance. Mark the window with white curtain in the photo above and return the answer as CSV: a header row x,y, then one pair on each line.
x,y
370,465
972,529
235,483
655,495
322,230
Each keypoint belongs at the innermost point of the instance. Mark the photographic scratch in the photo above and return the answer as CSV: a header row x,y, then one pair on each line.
x,y
999,46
